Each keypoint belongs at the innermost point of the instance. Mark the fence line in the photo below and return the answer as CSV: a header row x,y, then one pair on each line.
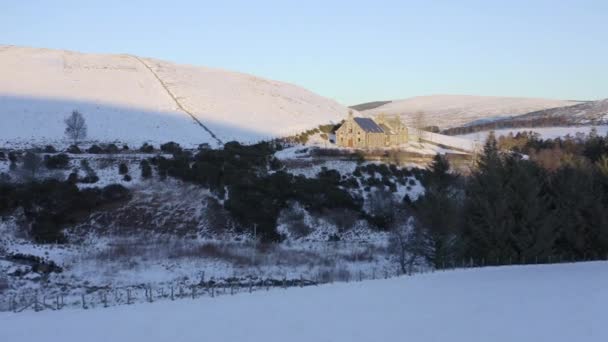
x,y
106,297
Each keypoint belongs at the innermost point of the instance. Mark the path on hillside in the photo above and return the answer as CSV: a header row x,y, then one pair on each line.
x,y
179,105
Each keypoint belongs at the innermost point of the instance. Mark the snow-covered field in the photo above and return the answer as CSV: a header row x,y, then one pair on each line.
x,y
134,100
565,302
456,110
544,132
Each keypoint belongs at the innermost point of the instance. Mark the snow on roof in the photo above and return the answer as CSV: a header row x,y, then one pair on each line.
x,y
368,125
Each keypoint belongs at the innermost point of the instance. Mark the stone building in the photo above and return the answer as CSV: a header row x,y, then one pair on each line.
x,y
365,133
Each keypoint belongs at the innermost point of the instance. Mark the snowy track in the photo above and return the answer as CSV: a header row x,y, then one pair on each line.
x,y
564,302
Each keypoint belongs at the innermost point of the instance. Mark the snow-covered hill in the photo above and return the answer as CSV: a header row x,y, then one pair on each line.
x,y
448,111
543,132
594,112
132,99
564,302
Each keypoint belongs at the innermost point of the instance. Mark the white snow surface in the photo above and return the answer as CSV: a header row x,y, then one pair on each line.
x,y
564,302
544,132
134,100
444,140
455,110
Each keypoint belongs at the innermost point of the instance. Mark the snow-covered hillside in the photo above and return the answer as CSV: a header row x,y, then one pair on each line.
x,y
544,132
588,113
132,99
448,111
564,302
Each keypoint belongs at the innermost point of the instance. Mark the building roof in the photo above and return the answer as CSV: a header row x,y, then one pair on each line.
x,y
368,125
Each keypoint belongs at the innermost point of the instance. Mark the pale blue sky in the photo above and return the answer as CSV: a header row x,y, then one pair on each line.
x,y
352,51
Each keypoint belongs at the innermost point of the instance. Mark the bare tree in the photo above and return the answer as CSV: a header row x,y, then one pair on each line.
x,y
76,127
31,164
405,242
419,123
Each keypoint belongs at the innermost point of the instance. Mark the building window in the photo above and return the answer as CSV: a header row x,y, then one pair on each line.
x,y
350,130
359,139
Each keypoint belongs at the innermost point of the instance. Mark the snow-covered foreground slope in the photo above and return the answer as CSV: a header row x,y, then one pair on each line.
x,y
563,302
455,110
133,99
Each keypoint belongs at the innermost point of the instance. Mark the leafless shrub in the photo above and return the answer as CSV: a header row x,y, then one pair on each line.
x,y
361,255
218,218
342,274
293,218
330,275
227,252
3,284
289,257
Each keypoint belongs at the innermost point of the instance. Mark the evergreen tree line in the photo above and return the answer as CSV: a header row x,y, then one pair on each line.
x,y
512,209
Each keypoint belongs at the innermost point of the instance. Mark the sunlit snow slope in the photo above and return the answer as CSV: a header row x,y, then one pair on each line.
x,y
133,99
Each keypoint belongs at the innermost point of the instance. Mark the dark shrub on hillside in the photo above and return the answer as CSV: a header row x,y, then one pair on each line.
x,y
275,164
89,179
331,177
37,263
72,178
342,218
95,149
146,169
60,161
350,182
111,148
127,178
73,149
12,157
91,176
115,192
171,147
123,169
125,147
49,149
145,148
2,156
44,230
50,205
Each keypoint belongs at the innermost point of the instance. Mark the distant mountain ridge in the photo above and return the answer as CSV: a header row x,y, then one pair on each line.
x,y
369,105
582,114
446,111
